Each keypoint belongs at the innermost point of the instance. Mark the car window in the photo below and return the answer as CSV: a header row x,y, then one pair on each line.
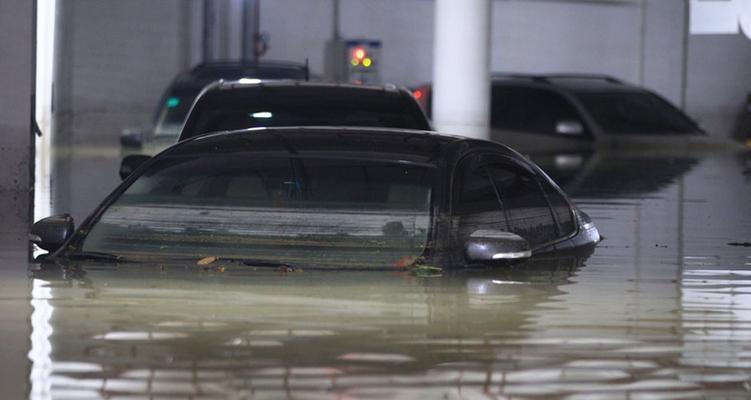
x,y
476,204
492,193
173,111
328,213
636,113
561,209
529,110
266,107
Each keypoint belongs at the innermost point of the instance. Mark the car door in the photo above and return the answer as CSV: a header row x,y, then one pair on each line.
x,y
494,191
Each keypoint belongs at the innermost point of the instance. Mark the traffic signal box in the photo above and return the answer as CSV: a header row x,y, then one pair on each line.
x,y
362,59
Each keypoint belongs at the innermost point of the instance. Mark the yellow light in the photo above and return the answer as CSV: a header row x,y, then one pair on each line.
x,y
355,62
367,62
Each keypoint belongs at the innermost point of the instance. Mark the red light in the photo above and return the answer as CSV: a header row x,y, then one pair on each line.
x,y
358,53
417,94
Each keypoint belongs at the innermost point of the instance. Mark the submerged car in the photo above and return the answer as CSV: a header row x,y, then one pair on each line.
x,y
173,107
330,198
569,112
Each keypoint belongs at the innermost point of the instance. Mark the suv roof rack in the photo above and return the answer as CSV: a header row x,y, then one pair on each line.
x,y
546,78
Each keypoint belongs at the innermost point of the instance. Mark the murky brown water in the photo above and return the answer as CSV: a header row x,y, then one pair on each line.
x,y
662,309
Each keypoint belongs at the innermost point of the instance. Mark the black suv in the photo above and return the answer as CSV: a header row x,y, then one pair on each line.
x,y
250,103
574,111
254,103
177,99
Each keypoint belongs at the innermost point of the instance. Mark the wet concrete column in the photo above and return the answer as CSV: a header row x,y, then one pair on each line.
x,y
461,67
16,73
16,81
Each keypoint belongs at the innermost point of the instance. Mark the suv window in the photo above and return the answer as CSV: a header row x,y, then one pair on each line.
x,y
493,193
529,109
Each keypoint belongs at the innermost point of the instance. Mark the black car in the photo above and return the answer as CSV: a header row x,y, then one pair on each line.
x,y
328,197
245,104
177,99
577,111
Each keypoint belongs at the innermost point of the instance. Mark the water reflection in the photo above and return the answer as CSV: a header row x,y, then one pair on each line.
x,y
41,348
662,309
168,331
612,174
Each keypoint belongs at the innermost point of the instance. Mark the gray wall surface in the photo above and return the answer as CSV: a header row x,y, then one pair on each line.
x,y
114,59
16,56
16,66
119,58
719,78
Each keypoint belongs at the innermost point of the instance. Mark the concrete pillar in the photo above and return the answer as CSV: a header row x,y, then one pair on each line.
x,y
251,30
16,81
224,28
461,67
16,161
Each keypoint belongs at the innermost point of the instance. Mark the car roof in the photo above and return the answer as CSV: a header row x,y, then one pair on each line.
x,y
299,85
574,82
368,142
207,72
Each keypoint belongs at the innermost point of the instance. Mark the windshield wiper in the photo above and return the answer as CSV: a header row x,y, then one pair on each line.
x,y
96,255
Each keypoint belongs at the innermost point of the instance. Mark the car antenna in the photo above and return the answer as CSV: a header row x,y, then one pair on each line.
x,y
307,70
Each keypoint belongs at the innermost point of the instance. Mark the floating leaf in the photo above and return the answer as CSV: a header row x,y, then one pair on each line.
x,y
425,271
207,260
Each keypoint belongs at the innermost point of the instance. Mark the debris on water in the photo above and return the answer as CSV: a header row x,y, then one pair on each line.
x,y
214,268
742,244
425,271
288,268
207,260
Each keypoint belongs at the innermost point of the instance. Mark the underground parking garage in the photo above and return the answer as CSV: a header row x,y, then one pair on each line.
x,y
375,199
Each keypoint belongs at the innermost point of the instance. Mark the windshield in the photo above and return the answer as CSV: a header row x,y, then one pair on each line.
x,y
327,213
636,113
221,111
173,111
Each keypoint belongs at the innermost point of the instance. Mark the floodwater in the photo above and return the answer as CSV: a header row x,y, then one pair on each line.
x,y
660,309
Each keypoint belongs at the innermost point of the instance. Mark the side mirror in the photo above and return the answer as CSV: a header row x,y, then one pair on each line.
x,y
132,137
130,163
569,127
489,245
50,233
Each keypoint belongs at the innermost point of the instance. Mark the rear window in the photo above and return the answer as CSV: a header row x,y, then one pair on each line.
x,y
221,111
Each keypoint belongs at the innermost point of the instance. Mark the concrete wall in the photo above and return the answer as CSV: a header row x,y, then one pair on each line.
x,y
719,78
114,59
566,36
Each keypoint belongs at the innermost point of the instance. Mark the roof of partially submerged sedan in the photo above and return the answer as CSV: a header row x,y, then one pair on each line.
x,y
383,143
